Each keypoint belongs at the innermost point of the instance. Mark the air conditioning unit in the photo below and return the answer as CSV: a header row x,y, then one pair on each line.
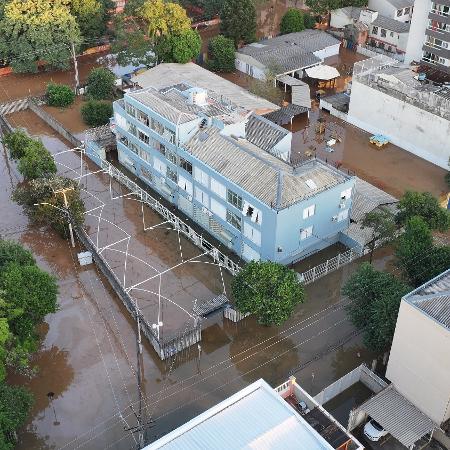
x,y
334,219
342,205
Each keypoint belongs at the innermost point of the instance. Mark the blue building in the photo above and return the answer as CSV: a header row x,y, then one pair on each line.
x,y
228,169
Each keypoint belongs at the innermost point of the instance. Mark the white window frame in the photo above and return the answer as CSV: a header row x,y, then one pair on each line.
x,y
185,184
201,176
159,166
305,233
218,188
201,196
309,211
218,209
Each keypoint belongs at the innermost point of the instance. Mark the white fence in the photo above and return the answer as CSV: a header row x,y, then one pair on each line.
x,y
234,315
329,265
371,51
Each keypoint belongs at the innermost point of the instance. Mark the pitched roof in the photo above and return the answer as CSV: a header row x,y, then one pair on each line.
x,y
273,181
263,133
254,417
351,11
400,4
290,51
391,24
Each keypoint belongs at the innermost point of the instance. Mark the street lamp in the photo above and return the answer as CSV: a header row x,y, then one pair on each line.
x,y
66,205
156,326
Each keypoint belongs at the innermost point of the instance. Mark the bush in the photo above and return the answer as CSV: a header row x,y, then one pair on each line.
x,y
292,21
12,252
59,95
221,50
37,162
100,84
309,20
96,113
16,142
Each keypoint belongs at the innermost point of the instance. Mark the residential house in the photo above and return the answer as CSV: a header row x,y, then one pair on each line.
x,y
401,10
229,170
259,417
429,40
289,54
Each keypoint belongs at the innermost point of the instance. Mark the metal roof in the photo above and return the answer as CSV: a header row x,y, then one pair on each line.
x,y
256,417
400,4
291,81
398,416
268,178
168,74
286,113
263,133
433,298
391,24
351,11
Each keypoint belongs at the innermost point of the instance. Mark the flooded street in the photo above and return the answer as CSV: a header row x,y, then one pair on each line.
x,y
88,353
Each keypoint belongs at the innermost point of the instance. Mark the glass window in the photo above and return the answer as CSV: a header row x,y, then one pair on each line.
x,y
131,110
234,199
234,220
186,165
142,117
143,137
146,174
407,10
132,129
306,233
399,12
383,32
309,211
374,30
134,148
171,174
144,155
172,157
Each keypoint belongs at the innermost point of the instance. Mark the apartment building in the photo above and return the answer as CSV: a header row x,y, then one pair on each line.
x,y
429,40
400,10
229,170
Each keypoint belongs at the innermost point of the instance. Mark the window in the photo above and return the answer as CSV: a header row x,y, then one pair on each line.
x,y
120,121
146,174
442,10
185,184
142,117
201,177
162,149
131,110
342,215
218,188
132,129
407,10
134,148
252,233
171,174
374,30
159,166
306,233
399,12
252,212
186,165
218,209
171,156
145,156
383,32
391,34
143,137
234,220
309,211
345,195
234,199
201,196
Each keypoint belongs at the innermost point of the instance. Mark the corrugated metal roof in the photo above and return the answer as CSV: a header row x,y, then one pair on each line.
x,y
285,114
400,4
291,81
268,178
391,24
263,133
301,96
254,418
398,416
167,74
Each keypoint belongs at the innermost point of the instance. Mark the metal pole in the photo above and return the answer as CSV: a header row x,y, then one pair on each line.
x,y
75,65
66,205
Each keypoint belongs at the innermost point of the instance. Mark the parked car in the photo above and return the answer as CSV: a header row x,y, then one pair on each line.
x,y
374,431
302,407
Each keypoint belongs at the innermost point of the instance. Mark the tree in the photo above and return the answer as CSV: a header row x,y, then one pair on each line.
x,y
59,95
11,252
163,18
374,302
309,20
269,290
417,256
238,20
41,30
178,48
96,113
424,205
222,57
100,84
37,162
15,405
383,228
16,142
292,21
43,191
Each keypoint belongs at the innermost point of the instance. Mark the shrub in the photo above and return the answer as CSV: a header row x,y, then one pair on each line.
x,y
292,21
16,142
59,95
221,50
37,162
309,20
100,84
96,113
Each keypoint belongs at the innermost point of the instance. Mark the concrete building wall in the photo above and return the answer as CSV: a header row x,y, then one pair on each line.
x,y
385,8
326,52
413,129
397,41
419,362
245,64
339,19
419,23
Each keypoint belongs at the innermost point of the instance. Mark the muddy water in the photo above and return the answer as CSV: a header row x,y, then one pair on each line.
x,y
87,358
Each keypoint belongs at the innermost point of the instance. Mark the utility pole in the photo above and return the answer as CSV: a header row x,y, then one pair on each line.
x,y
75,65
66,205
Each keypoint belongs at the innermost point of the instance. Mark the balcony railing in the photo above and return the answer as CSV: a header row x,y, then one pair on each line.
x,y
440,13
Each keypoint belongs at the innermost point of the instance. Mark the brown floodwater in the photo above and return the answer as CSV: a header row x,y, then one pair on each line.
x,y
88,352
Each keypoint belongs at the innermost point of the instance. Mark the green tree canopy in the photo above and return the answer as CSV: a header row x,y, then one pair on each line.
x,y
269,290
383,228
59,95
40,30
424,205
292,21
417,256
42,191
37,162
309,20
12,252
16,142
100,84
222,54
179,48
374,302
238,20
322,7
96,113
